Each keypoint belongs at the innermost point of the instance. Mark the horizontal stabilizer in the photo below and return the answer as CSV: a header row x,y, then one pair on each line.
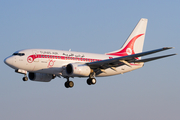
x,y
153,58
129,57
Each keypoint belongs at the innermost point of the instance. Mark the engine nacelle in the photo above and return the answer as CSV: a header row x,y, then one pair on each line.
x,y
41,77
78,70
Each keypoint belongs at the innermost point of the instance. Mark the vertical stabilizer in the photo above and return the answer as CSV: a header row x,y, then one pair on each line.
x,y
134,43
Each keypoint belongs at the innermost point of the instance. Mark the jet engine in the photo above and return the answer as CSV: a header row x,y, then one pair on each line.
x,y
78,70
41,77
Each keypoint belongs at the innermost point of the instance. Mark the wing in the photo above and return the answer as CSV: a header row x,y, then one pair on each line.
x,y
115,62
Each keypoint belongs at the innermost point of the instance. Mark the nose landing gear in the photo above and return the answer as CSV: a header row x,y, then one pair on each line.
x,y
25,78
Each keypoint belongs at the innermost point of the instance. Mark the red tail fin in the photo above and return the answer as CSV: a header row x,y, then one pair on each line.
x,y
128,50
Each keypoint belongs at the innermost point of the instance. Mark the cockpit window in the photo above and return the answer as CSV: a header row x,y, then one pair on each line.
x,y
19,54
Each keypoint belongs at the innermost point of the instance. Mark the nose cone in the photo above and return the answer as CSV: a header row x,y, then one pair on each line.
x,y
8,61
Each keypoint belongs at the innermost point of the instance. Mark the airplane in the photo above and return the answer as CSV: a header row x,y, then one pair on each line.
x,y
43,65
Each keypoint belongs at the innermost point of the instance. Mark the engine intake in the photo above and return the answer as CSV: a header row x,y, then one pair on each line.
x,y
69,69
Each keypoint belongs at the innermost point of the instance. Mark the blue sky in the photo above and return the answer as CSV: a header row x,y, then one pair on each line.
x,y
99,26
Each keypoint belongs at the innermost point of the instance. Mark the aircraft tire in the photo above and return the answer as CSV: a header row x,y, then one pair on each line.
x,y
25,78
66,84
91,81
69,84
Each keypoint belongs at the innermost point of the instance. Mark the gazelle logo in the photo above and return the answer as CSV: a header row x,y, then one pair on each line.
x,y
129,51
30,59
51,63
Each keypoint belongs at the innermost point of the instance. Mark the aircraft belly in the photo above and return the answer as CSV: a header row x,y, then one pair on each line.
x,y
52,70
50,66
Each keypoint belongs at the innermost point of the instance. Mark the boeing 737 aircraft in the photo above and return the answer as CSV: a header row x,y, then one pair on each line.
x,y
45,64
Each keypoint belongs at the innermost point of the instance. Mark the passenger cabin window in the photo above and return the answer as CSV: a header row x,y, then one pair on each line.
x,y
19,54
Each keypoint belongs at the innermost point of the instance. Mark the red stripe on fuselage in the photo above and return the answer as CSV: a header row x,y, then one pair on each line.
x,y
31,58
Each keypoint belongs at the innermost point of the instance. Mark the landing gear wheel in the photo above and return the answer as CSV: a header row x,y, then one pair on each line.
x,y
69,84
66,84
91,81
25,78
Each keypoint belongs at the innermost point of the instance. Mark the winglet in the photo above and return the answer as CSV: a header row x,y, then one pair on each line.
x,y
166,48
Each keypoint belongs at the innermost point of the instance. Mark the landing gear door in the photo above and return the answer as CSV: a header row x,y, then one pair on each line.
x,y
36,53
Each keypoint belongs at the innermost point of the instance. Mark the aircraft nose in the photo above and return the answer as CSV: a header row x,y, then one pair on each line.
x,y
8,61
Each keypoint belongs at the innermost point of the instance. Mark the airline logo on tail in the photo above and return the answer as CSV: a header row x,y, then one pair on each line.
x,y
128,49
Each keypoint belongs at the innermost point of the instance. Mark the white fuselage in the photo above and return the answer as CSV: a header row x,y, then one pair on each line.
x,y
54,61
45,64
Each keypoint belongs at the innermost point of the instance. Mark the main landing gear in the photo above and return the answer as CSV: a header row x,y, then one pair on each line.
x,y
91,81
68,84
